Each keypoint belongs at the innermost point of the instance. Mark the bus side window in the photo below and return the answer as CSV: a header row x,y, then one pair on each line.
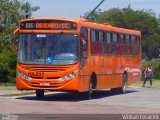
x,y
104,43
100,42
130,45
122,44
108,43
118,44
133,43
84,38
94,48
138,45
15,41
114,43
127,44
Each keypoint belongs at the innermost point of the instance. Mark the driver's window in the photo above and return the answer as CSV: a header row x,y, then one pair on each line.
x,y
83,45
15,40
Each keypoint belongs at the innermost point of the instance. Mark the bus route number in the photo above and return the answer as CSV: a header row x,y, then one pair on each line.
x,y
36,74
29,25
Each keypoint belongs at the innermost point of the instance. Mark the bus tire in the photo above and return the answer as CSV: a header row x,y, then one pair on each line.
x,y
88,94
39,93
123,88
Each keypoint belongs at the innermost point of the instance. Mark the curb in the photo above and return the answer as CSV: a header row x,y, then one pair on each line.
x,y
11,93
8,88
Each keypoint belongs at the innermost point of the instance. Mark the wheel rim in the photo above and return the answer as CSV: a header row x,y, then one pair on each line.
x,y
124,87
90,91
124,83
90,88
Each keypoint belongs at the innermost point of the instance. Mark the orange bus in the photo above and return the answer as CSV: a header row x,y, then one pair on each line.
x,y
75,55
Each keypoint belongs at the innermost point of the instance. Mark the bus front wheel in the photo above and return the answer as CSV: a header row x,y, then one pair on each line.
x,y
39,93
88,94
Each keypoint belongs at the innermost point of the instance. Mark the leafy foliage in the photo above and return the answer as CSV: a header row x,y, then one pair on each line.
x,y
7,65
11,12
27,10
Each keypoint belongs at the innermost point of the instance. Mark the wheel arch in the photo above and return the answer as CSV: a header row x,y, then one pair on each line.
x,y
126,73
93,79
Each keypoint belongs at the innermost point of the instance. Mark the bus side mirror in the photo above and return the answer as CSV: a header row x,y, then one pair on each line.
x,y
84,52
15,39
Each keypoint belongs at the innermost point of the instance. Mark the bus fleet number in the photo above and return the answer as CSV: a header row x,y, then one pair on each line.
x,y
36,74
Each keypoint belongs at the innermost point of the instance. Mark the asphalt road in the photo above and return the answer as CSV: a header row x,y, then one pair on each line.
x,y
63,105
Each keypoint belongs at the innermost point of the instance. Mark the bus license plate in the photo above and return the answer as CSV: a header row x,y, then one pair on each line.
x,y
44,84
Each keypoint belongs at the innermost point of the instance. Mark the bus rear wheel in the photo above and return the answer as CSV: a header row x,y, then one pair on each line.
x,y
39,93
123,88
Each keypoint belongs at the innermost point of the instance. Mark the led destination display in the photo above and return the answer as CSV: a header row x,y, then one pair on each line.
x,y
48,25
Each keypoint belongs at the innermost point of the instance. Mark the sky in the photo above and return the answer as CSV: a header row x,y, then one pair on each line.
x,y
76,8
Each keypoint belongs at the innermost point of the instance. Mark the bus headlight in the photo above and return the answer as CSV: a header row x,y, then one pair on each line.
x,y
72,75
23,76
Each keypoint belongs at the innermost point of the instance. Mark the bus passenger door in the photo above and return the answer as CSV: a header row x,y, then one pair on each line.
x,y
83,46
84,73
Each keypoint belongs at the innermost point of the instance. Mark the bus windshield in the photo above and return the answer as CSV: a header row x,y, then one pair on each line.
x,y
56,49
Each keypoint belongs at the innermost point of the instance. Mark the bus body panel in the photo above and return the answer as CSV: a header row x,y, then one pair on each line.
x,y
50,79
108,68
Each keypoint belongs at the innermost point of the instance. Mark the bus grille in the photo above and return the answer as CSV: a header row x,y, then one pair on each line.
x,y
47,69
47,78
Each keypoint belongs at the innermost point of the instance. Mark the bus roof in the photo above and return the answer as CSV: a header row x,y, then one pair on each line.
x,y
86,23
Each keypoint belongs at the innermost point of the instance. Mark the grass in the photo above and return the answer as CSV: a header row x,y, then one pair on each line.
x,y
6,84
155,83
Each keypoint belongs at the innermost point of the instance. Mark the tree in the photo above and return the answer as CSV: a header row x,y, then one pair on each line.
x,y
11,12
7,66
143,20
10,17
27,10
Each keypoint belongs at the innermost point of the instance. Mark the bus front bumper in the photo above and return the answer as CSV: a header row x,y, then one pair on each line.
x,y
43,84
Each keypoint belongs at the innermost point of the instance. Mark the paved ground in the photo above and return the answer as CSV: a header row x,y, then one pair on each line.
x,y
138,100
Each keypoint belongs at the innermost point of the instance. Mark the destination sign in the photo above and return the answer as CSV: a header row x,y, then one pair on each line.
x,y
48,25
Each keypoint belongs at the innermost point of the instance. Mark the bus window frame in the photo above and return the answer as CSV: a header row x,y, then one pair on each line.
x,y
114,44
138,45
91,42
133,46
121,42
100,42
15,39
108,42
127,45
